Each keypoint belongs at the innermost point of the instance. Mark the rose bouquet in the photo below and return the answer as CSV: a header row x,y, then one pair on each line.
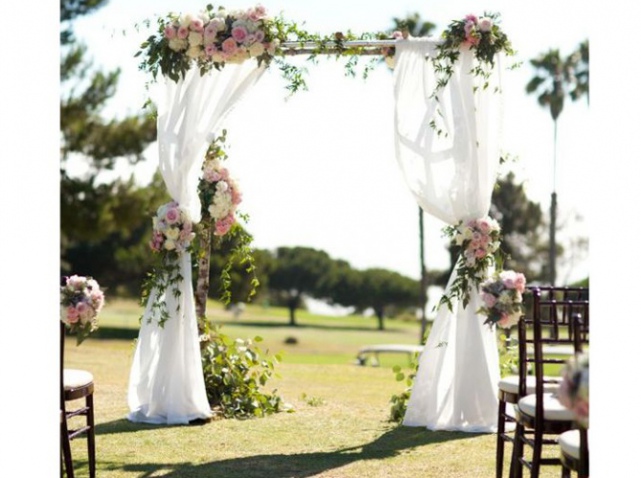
x,y
574,391
478,241
211,38
219,193
80,302
502,297
173,229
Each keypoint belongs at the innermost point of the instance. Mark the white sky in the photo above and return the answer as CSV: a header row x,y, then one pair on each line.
x,y
319,169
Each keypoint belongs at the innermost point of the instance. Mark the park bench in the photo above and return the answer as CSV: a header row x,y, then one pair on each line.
x,y
372,352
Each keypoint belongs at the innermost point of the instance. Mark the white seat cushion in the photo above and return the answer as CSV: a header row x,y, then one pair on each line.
x,y
570,443
510,384
73,378
552,408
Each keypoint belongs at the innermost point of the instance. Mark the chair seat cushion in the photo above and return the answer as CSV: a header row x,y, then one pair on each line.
x,y
570,443
552,408
73,378
510,384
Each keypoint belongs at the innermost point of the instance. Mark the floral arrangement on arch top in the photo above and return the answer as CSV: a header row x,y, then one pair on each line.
x,y
215,37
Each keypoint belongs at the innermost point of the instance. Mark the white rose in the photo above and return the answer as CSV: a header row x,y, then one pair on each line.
x,y
172,233
485,24
193,51
389,61
256,49
170,245
195,39
177,44
218,57
186,20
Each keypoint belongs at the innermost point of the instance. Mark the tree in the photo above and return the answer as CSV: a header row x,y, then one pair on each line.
x,y
522,224
91,209
298,271
551,82
580,64
383,290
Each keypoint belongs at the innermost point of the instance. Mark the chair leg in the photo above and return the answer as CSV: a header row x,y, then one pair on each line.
x,y
516,467
500,443
66,447
565,472
91,437
536,455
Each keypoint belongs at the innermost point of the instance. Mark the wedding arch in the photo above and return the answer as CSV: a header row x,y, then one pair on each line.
x,y
447,121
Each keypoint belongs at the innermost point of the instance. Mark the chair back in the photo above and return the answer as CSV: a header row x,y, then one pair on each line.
x,y
556,324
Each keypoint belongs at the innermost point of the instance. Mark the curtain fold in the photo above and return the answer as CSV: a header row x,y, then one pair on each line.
x,y
166,383
447,147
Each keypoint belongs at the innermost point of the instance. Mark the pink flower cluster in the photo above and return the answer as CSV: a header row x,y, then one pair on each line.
x,y
479,238
224,37
224,193
80,300
502,298
173,229
574,391
474,27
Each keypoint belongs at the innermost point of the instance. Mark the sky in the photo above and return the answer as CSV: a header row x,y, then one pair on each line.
x,y
318,169
603,154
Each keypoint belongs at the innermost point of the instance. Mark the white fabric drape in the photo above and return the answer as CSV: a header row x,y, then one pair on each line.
x,y
166,384
451,175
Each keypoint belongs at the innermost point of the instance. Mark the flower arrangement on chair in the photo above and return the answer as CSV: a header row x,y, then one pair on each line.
x,y
80,302
502,296
574,392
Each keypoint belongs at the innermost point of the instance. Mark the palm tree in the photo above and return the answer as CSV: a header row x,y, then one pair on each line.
x,y
415,26
550,81
580,63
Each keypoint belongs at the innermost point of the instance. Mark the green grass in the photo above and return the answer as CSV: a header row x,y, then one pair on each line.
x,y
339,427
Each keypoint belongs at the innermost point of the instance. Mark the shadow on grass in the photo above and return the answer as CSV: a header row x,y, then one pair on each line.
x,y
301,465
125,426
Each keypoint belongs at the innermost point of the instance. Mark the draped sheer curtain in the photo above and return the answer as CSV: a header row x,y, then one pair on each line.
x,y
451,175
166,383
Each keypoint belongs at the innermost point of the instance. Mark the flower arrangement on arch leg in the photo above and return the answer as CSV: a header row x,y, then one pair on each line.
x,y
502,297
478,241
220,196
173,233
80,302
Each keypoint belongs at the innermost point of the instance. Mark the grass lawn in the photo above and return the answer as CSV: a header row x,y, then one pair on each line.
x,y
339,427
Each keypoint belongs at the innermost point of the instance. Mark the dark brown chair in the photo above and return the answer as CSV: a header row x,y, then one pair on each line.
x,y
509,395
76,385
573,444
549,332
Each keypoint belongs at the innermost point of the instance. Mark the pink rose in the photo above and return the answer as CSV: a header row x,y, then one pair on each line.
x,y
236,196
72,314
209,51
471,18
489,300
484,226
172,215
229,46
239,34
170,32
182,33
196,25
259,36
480,253
519,282
211,31
84,310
